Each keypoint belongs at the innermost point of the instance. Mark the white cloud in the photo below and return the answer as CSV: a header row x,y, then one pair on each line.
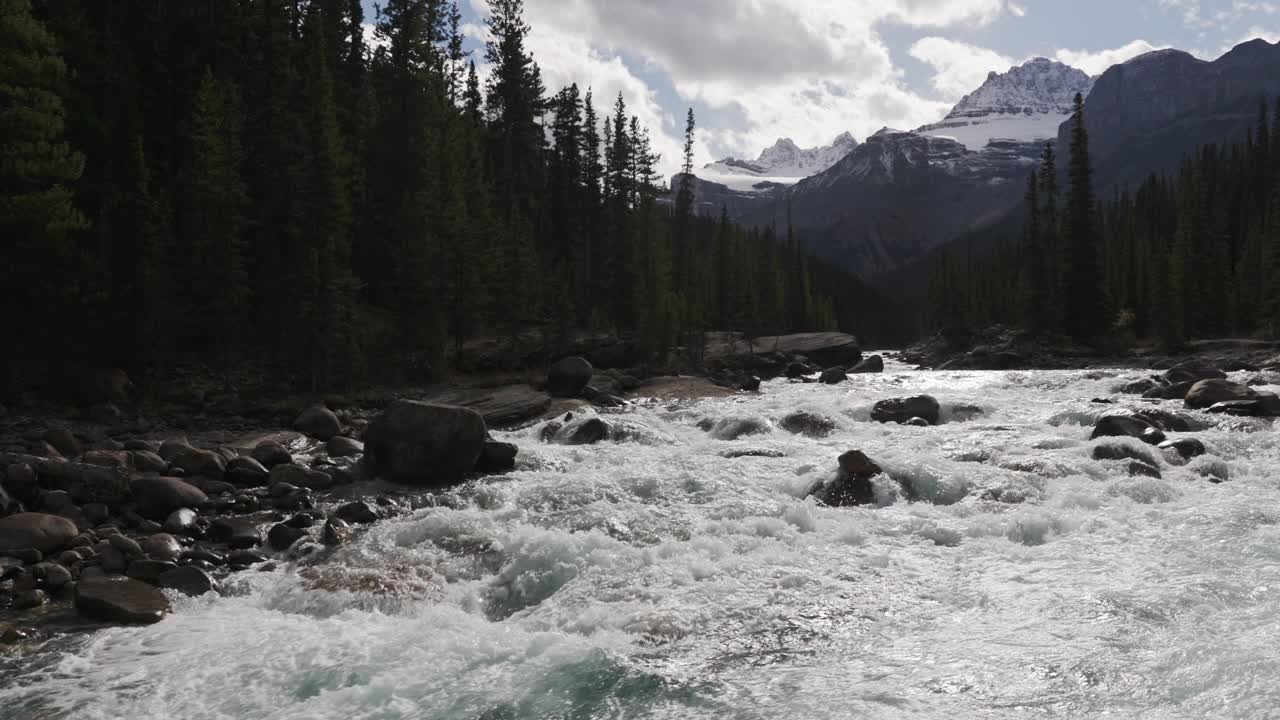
x,y
959,67
1096,62
807,69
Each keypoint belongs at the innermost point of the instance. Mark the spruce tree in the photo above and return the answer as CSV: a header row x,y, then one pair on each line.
x,y
212,215
1085,294
38,213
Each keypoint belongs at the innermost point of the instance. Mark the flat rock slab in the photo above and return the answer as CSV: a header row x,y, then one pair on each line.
x,y
120,599
501,406
826,348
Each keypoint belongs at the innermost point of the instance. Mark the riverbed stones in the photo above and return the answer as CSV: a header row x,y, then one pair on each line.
x,y
809,424
205,463
1265,405
1127,426
161,546
833,376
1128,454
149,571
872,364
852,485
270,453
299,476
157,497
1187,448
419,443
568,377
343,447
188,580
246,471
282,536
236,532
336,532
120,599
318,422
35,531
901,410
1207,393
359,512
64,441
497,457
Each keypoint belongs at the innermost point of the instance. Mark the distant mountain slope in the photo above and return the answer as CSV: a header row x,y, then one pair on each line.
x,y
783,163
1145,114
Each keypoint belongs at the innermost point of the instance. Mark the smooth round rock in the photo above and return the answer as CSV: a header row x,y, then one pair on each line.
x,y
39,531
341,447
161,546
158,496
188,580
318,422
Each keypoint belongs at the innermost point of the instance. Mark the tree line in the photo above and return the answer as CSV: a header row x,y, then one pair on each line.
x,y
1186,255
251,182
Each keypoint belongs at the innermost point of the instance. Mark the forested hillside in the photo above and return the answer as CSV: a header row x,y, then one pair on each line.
x,y
1191,255
237,182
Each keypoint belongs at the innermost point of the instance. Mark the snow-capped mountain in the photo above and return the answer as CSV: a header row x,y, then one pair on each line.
x,y
1026,103
785,163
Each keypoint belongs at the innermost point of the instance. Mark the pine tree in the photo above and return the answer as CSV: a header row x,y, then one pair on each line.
x,y
1056,255
212,214
1086,301
38,214
684,197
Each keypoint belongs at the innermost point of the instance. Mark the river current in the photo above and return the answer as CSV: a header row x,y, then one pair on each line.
x,y
655,578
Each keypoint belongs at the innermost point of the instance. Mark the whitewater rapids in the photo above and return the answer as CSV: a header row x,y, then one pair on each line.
x,y
654,578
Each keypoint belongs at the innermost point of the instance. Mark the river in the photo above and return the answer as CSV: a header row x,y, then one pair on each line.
x,y
655,578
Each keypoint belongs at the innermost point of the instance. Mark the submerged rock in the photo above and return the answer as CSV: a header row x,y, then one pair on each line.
x,y
810,424
270,453
120,599
419,443
587,432
902,410
732,428
188,580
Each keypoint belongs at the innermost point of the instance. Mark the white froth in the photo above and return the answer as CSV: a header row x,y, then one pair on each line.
x,y
1005,574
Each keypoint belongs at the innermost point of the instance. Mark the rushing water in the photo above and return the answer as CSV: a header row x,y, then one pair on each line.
x,y
654,578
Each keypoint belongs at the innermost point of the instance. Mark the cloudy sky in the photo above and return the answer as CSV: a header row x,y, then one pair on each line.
x,y
757,70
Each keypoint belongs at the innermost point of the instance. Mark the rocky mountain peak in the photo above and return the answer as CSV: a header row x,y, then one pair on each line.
x,y
1038,86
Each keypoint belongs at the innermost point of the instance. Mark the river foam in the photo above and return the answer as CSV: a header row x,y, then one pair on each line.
x,y
1005,574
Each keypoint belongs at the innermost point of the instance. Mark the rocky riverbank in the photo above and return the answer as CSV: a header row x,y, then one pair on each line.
x,y
106,510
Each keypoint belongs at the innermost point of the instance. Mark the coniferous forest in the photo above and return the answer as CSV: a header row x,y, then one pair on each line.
x,y
1193,254
250,182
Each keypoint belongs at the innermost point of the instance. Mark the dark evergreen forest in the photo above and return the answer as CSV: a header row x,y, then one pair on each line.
x,y
1192,255
239,183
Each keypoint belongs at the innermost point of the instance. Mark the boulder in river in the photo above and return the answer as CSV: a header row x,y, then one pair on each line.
x,y
336,532
587,432
419,443
873,364
810,424
497,457
120,599
1265,405
902,410
157,497
1127,426
318,422
1113,450
852,484
35,531
188,580
568,377
1207,393
1187,448
833,376
1192,373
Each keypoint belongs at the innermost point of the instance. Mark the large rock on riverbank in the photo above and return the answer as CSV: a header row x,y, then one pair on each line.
x,y
417,443
500,406
120,599
1207,393
35,531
